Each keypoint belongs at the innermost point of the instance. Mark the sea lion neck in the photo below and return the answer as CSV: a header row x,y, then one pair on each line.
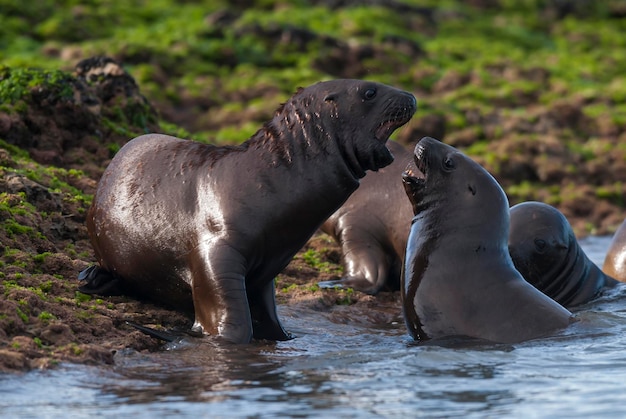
x,y
297,151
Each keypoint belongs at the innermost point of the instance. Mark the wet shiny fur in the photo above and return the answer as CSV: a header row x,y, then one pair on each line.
x,y
458,276
208,228
615,260
545,251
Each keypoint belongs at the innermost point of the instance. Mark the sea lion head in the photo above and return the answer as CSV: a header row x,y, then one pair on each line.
x,y
358,116
540,240
443,177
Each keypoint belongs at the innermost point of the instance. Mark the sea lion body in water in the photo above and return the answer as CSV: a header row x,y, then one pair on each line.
x,y
615,259
372,227
194,225
545,251
458,276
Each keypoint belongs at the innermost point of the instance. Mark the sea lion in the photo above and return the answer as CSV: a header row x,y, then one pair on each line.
x,y
372,227
615,260
189,224
545,251
458,276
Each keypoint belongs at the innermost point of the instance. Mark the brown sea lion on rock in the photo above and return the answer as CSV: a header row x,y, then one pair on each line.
x,y
458,276
189,224
545,251
615,260
372,228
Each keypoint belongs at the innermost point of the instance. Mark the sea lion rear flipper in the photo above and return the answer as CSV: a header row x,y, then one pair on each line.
x,y
158,334
99,281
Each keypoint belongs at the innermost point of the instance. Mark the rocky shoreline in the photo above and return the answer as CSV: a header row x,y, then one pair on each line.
x,y
45,189
545,117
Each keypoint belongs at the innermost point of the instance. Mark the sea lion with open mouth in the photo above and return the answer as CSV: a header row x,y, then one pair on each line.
x,y
458,276
207,228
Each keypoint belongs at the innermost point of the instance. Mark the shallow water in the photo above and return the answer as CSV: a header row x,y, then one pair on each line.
x,y
343,370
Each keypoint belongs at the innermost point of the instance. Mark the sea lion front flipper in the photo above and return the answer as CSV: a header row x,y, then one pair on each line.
x,y
389,283
219,293
99,281
366,262
265,323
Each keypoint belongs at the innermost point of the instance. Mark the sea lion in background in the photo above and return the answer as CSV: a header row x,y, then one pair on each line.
x,y
545,251
458,276
372,228
615,260
194,225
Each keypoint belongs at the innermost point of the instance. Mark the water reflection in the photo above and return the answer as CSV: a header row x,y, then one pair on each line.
x,y
200,370
302,372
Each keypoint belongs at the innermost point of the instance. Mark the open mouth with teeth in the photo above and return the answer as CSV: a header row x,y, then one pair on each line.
x,y
414,178
386,128
415,173
399,115
376,155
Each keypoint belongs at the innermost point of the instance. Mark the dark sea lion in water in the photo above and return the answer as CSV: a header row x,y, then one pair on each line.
x,y
458,276
194,225
615,260
372,228
545,251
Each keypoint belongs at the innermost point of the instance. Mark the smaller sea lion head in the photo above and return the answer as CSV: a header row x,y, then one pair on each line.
x,y
359,116
441,176
539,241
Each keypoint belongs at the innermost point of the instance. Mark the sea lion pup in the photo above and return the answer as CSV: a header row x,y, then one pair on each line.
x,y
372,228
194,225
458,276
615,259
545,251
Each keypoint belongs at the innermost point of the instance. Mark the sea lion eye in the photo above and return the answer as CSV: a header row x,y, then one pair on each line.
x,y
448,164
540,244
370,93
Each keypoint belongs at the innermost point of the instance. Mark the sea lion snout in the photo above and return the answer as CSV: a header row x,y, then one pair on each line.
x,y
380,111
420,154
415,171
399,109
